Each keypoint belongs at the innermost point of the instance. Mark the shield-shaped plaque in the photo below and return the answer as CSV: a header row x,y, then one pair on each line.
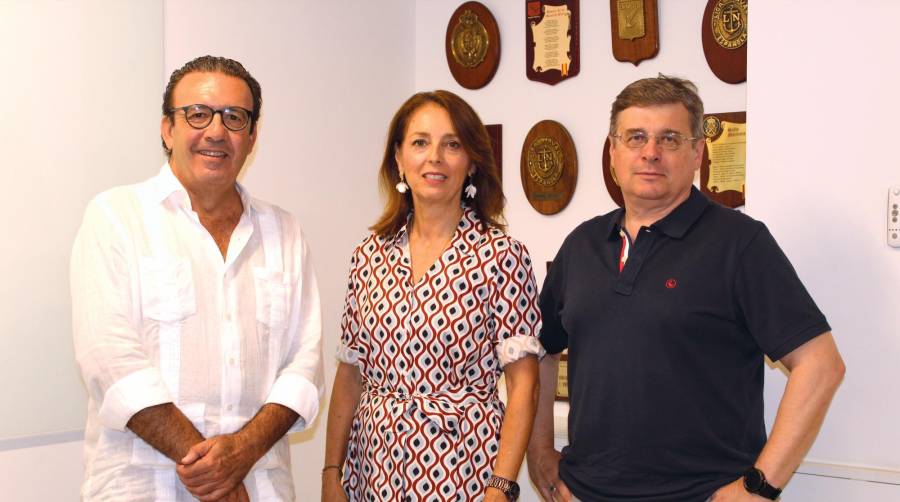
x,y
724,33
472,45
635,30
552,40
724,166
549,167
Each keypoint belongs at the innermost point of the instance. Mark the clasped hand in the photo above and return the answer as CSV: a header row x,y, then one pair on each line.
x,y
214,469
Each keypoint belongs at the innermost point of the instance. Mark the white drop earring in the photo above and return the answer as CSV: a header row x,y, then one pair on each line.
x,y
471,189
402,187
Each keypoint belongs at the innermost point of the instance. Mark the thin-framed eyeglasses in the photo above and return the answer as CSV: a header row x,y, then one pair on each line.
x,y
198,116
669,140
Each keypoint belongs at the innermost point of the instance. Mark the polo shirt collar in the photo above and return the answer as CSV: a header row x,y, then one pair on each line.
x,y
675,224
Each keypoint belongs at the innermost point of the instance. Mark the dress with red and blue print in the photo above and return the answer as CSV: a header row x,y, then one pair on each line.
x,y
431,355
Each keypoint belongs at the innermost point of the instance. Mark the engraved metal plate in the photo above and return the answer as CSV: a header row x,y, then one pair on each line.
x,y
631,19
545,161
729,23
470,40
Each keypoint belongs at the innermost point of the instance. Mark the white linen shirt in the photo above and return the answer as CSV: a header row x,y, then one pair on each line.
x,y
159,316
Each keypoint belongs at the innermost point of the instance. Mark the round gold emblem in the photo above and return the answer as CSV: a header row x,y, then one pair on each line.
x,y
729,23
711,126
545,161
470,40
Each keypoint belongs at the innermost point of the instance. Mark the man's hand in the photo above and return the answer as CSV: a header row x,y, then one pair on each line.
x,y
735,492
543,469
216,467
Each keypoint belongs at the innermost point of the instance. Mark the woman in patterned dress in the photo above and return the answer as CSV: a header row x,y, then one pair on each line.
x,y
440,302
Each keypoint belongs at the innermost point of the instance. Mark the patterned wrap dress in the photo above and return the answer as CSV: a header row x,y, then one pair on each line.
x,y
428,423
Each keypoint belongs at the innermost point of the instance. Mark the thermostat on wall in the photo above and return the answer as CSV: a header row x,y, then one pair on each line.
x,y
893,215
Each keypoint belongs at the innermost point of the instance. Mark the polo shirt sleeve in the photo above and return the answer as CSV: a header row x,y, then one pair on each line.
x,y
775,306
553,336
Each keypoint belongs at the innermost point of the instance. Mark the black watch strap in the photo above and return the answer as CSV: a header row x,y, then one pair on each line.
x,y
755,482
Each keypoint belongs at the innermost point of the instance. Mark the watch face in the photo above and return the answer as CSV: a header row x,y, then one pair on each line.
x,y
753,480
513,492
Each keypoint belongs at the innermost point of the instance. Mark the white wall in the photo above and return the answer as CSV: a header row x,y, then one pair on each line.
x,y
822,111
67,134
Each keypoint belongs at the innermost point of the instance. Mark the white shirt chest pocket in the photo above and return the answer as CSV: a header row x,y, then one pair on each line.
x,y
167,289
272,297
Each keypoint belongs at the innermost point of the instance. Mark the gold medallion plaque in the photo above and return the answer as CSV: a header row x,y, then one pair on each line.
x,y
548,167
470,40
631,19
729,23
472,45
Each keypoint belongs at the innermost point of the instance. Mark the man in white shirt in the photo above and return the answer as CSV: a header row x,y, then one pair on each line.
x,y
196,313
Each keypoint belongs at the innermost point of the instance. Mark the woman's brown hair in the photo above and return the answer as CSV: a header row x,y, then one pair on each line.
x,y
488,203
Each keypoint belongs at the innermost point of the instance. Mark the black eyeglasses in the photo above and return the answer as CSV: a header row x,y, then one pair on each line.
x,y
234,118
670,140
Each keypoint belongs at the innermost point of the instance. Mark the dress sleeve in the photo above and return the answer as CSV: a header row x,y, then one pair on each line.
x,y
514,306
348,350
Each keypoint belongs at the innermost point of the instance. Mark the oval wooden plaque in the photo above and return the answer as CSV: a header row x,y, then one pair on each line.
x,y
611,185
549,167
724,33
472,45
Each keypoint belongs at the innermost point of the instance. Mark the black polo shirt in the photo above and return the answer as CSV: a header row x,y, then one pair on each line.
x,y
666,358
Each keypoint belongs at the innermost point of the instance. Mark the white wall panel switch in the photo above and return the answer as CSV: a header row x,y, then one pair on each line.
x,y
893,217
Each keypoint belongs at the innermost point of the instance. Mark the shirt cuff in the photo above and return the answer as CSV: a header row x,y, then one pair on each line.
x,y
131,394
516,347
299,394
347,355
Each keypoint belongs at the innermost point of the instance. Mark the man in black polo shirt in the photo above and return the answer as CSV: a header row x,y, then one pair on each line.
x,y
667,307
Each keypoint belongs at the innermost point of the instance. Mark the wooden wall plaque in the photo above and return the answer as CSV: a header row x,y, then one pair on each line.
x,y
612,186
635,30
472,45
549,167
552,46
724,33
723,170
495,131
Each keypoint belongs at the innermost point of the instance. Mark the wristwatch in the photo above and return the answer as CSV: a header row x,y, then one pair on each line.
x,y
509,488
755,482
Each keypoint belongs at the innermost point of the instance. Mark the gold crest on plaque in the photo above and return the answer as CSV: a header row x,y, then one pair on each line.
x,y
545,161
712,126
729,23
631,19
470,40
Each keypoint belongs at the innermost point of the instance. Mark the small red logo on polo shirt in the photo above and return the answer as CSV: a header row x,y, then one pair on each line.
x,y
671,284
